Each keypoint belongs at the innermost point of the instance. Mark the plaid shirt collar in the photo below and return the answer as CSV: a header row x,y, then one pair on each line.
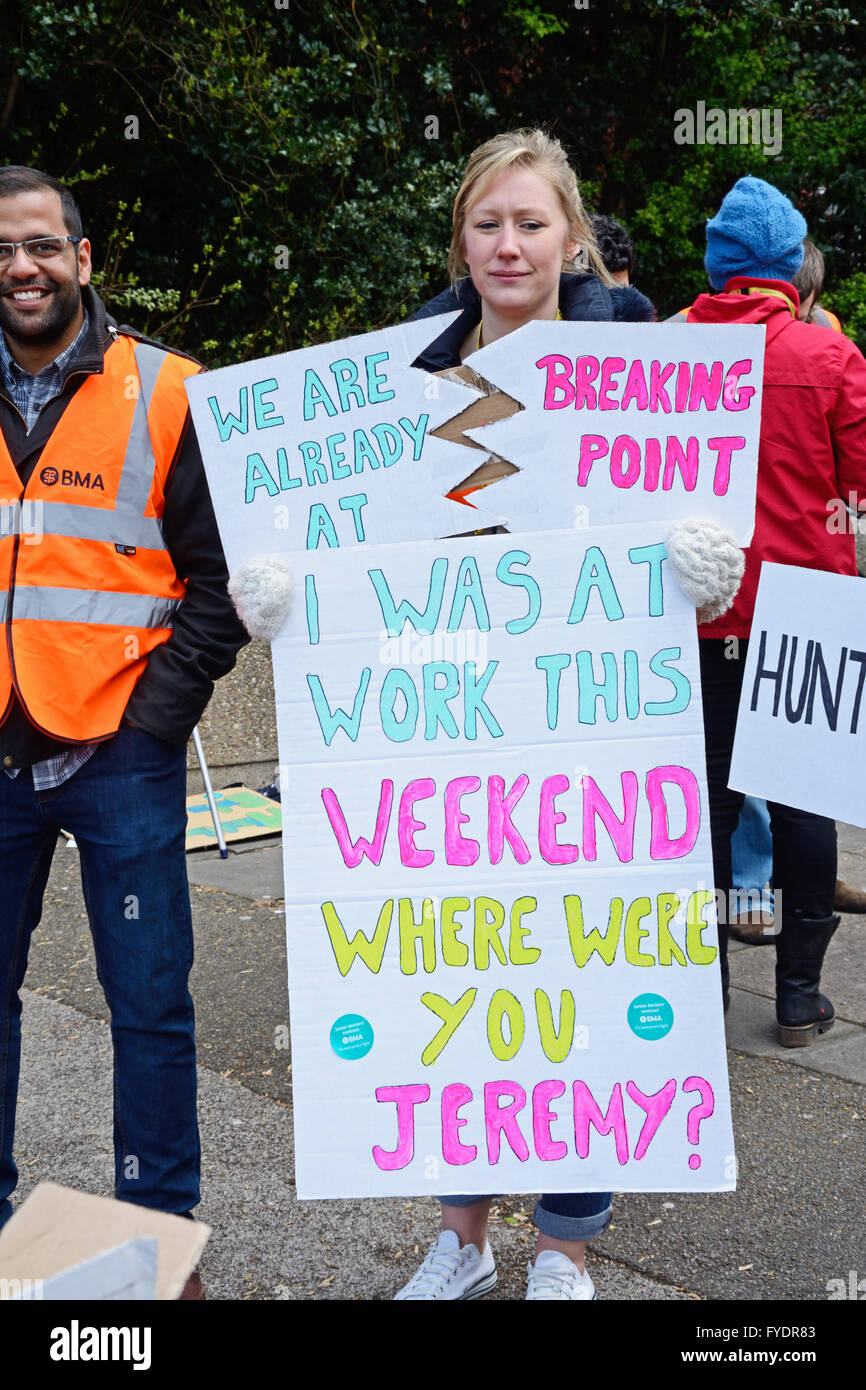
x,y
30,393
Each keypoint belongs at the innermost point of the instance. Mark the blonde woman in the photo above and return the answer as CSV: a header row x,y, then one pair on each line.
x,y
520,231
519,227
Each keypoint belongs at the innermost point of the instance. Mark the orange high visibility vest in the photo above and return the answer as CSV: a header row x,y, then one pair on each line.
x,y
87,586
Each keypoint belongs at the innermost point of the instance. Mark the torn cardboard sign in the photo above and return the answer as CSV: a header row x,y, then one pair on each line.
x,y
624,423
332,445
491,405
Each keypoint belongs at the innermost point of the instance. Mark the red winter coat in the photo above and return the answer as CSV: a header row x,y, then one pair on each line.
x,y
813,440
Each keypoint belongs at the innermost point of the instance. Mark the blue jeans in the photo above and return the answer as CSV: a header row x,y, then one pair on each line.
x,y
561,1215
126,809
752,853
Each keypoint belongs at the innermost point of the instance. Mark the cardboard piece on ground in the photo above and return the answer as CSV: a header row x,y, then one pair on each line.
x,y
57,1230
244,815
494,405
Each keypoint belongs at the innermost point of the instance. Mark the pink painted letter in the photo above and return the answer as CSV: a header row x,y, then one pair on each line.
x,y
418,790
661,845
405,1098
458,850
558,379
587,1112
354,853
453,1151
499,1120
547,1148
656,1107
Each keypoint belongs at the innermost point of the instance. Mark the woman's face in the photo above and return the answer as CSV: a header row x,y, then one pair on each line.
x,y
514,243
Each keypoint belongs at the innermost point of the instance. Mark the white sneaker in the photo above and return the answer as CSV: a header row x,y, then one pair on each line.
x,y
450,1271
555,1276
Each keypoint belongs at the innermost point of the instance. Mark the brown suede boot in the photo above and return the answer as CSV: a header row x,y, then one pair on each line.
x,y
848,899
192,1289
755,928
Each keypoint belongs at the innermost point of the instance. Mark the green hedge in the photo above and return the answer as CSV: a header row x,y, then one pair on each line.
x,y
259,176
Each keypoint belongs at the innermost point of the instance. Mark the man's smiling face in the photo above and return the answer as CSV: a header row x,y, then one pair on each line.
x,y
40,301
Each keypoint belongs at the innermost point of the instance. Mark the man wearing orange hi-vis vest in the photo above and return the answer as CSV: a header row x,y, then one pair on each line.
x,y
117,622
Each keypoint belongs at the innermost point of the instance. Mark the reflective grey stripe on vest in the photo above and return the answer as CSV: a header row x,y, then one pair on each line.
x,y
125,523
139,465
97,524
10,518
92,606
21,518
36,517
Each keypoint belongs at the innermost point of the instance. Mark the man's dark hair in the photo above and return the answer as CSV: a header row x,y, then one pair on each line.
x,y
614,243
17,178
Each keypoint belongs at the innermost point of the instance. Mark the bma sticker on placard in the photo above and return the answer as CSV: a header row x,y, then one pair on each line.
x,y
351,1037
650,1016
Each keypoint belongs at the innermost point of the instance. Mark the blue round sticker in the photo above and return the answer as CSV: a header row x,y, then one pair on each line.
x,y
650,1016
351,1037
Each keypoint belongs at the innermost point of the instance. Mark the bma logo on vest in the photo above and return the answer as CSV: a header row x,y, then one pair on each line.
x,y
70,477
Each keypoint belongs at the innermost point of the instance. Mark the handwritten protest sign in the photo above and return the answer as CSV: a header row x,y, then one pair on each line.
x,y
801,726
331,445
499,902
626,422
500,913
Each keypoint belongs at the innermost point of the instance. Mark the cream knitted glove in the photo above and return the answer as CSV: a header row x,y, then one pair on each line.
x,y
708,565
261,591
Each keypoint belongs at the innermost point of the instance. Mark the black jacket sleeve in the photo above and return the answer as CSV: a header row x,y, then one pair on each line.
x,y
177,683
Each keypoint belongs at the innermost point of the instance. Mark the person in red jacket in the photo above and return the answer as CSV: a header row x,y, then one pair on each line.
x,y
812,451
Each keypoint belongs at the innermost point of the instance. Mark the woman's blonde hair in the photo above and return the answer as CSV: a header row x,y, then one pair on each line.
x,y
524,149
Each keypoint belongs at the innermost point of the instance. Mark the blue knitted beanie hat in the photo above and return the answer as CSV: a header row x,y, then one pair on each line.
x,y
757,232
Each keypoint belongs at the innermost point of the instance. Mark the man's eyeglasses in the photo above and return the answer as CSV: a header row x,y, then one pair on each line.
x,y
40,248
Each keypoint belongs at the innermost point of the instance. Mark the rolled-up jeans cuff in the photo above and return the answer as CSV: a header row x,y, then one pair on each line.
x,y
462,1201
559,1227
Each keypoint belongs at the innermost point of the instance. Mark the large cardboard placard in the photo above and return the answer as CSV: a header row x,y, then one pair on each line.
x,y
801,726
626,422
331,445
499,904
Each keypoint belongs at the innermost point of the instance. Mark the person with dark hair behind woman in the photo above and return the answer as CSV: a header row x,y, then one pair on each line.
x,y
616,247
617,251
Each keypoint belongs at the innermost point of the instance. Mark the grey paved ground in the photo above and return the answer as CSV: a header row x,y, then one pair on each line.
x,y
795,1222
